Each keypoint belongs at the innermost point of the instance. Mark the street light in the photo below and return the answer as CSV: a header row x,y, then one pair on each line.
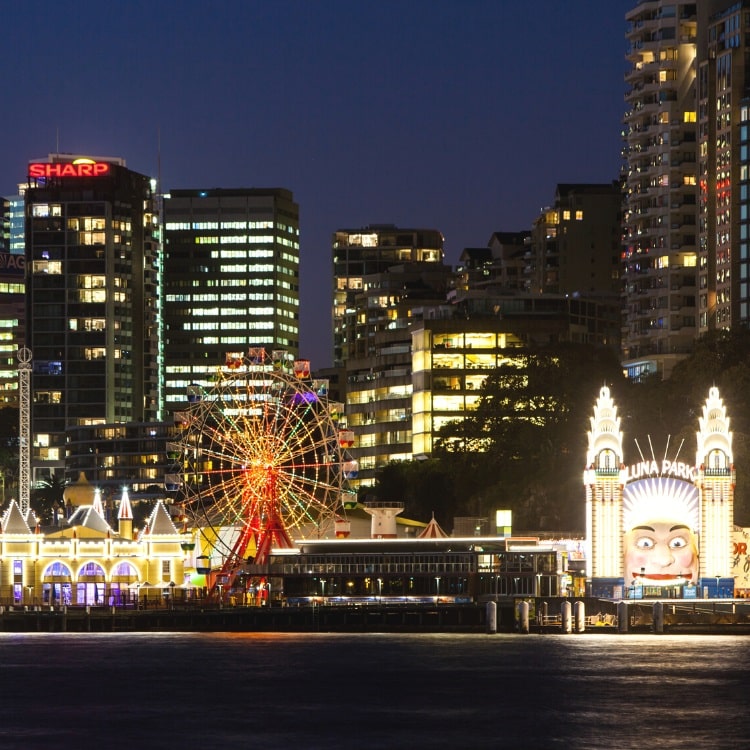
x,y
718,578
437,587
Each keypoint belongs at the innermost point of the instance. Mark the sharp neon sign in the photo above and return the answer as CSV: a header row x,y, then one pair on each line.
x,y
82,169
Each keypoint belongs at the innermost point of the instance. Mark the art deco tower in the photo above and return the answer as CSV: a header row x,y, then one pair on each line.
x,y
716,481
604,459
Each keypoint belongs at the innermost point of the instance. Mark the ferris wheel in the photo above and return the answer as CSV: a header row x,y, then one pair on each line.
x,y
262,458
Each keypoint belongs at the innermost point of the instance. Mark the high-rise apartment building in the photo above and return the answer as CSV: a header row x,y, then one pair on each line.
x,y
92,250
724,161
358,253
574,247
660,253
231,280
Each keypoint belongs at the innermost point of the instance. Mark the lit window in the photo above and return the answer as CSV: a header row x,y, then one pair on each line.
x,y
47,266
689,117
579,215
566,215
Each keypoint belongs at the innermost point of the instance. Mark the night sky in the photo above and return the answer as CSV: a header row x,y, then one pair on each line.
x,y
457,115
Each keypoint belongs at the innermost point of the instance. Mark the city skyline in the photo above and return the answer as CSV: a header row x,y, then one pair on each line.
x,y
442,115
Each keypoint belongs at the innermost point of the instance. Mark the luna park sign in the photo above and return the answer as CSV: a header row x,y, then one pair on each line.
x,y
644,469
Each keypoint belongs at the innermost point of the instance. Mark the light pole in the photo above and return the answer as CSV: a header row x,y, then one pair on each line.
x,y
718,578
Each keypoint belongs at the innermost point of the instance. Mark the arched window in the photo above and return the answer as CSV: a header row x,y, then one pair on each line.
x,y
91,569
57,569
125,570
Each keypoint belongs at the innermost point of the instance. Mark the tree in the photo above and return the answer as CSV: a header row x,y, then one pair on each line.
x,y
525,443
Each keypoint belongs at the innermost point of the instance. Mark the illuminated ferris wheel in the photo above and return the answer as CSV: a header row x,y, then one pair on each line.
x,y
262,458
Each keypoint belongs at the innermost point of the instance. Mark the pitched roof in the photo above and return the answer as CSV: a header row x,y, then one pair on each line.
x,y
13,521
87,517
160,522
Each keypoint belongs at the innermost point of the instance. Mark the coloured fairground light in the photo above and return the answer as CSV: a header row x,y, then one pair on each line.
x,y
261,460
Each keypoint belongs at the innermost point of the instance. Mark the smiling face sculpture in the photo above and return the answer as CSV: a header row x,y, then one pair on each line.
x,y
660,519
661,553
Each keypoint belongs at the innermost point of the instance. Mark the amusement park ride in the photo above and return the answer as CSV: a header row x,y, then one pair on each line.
x,y
262,456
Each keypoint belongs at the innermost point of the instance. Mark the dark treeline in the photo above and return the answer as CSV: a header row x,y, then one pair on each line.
x,y
524,448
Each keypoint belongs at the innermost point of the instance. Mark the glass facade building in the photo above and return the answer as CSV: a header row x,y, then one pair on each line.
x,y
231,281
92,247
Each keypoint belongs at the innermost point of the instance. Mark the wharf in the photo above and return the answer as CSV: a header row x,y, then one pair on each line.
x,y
464,618
372,618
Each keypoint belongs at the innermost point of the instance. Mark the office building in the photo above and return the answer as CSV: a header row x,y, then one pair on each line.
x,y
92,250
12,325
453,354
138,455
231,281
12,312
358,253
379,385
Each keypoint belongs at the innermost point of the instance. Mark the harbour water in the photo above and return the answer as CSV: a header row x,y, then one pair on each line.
x,y
367,691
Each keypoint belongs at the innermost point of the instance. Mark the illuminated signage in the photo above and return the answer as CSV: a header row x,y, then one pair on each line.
x,y
12,263
666,468
69,169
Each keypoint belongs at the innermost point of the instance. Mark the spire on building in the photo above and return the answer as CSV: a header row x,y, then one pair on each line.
x,y
126,511
97,504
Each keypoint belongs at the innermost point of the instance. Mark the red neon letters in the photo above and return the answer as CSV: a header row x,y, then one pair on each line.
x,y
97,169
